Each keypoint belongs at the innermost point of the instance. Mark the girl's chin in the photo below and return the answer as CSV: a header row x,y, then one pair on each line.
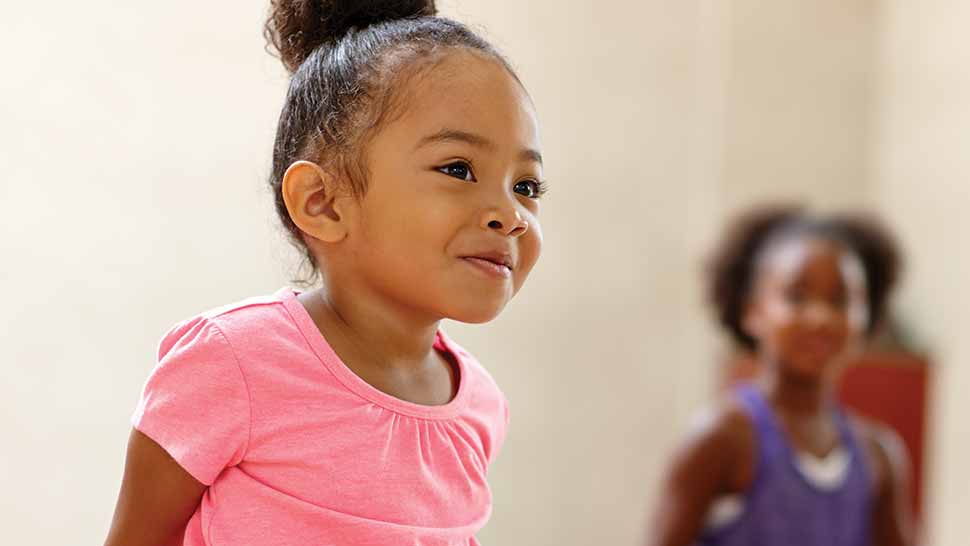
x,y
474,317
473,305
476,313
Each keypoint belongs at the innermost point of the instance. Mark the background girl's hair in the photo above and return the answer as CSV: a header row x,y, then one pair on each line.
x,y
880,255
349,60
733,264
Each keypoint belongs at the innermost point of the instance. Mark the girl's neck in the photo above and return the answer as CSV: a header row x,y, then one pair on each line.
x,y
388,336
796,396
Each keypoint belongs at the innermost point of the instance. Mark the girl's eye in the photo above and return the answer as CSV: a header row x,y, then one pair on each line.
x,y
529,188
459,170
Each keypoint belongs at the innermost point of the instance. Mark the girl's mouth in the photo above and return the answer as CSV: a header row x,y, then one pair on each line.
x,y
494,265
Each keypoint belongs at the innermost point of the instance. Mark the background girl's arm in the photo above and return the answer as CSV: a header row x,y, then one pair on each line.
x,y
157,498
892,523
701,470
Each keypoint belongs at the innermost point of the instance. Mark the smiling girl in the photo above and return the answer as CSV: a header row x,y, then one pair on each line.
x,y
407,167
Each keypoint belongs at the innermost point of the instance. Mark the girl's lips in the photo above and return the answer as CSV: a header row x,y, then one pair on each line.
x,y
489,267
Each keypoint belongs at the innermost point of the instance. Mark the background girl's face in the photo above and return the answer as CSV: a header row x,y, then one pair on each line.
x,y
809,308
449,224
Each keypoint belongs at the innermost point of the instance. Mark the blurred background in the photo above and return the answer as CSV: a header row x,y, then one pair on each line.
x,y
135,140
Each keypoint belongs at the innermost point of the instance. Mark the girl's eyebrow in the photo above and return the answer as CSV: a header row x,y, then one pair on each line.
x,y
478,141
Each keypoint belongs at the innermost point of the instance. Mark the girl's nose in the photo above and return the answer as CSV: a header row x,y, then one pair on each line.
x,y
507,221
820,312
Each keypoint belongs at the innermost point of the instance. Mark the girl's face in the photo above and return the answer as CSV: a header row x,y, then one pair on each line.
x,y
449,225
809,308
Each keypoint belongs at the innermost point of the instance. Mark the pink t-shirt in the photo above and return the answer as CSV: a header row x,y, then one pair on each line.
x,y
298,450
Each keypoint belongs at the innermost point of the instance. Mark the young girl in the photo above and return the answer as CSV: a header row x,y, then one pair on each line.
x,y
407,166
778,462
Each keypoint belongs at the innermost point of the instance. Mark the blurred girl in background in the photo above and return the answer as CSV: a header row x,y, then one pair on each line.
x,y
778,462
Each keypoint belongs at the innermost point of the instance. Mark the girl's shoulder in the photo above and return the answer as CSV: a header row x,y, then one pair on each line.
x,y
202,382
886,453
727,422
237,323
724,435
252,312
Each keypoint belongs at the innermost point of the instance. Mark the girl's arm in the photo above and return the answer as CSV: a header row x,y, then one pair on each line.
x,y
157,499
702,469
892,524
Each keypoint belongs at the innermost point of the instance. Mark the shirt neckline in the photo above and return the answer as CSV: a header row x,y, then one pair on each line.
x,y
357,385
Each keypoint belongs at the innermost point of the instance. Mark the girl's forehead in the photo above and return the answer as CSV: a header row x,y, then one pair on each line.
x,y
469,91
798,256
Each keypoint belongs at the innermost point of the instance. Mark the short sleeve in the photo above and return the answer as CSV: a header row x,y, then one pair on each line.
x,y
195,403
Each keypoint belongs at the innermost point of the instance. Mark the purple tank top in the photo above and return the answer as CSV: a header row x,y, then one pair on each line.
x,y
782,508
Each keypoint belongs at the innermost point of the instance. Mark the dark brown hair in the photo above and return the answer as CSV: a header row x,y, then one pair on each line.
x,y
732,266
349,60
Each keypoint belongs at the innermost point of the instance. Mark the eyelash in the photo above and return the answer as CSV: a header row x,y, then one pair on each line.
x,y
444,170
541,187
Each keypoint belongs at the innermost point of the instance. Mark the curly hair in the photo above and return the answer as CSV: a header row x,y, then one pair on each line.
x,y
733,264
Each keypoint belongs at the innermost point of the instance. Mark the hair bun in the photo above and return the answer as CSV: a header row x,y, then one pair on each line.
x,y
295,28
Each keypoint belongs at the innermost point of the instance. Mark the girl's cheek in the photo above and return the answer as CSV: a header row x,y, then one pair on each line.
x,y
780,311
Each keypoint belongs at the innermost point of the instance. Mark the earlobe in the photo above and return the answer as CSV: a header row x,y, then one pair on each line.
x,y
310,194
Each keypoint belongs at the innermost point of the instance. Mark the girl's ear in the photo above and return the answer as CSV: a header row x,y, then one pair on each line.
x,y
751,320
313,202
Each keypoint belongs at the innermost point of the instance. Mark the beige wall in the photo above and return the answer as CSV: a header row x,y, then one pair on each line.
x,y
798,100
135,143
922,166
